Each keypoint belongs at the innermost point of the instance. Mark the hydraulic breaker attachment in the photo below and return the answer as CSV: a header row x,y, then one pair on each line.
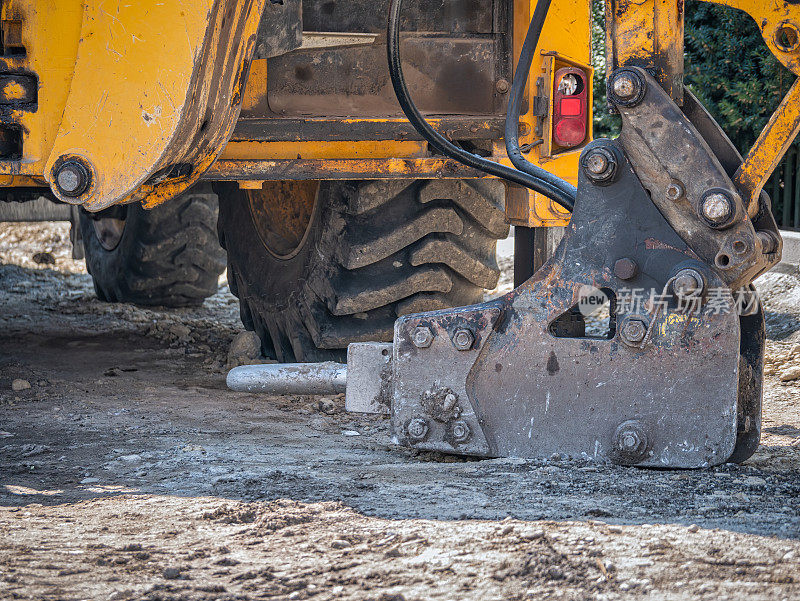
x,y
669,228
669,233
674,382
674,377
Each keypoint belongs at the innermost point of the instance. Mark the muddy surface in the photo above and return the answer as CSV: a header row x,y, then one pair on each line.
x,y
128,471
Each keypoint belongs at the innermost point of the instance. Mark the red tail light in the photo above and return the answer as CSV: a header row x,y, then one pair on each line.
x,y
570,107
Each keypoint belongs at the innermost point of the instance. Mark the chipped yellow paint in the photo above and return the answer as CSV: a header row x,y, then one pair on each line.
x,y
13,91
566,34
647,33
769,149
50,35
778,20
131,81
673,322
116,82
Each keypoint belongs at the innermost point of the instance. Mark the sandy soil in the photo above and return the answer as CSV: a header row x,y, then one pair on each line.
x,y
128,471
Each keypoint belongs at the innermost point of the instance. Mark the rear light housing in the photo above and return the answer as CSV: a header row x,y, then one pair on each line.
x,y
570,107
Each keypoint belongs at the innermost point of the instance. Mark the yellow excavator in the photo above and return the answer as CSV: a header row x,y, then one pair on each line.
x,y
365,157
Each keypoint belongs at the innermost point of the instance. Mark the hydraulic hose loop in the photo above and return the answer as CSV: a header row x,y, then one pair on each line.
x,y
536,179
521,74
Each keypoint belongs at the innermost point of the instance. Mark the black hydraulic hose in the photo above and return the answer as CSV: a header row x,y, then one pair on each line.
x,y
515,102
550,186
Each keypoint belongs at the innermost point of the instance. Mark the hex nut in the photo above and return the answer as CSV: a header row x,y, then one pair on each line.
x,y
688,282
600,165
627,87
596,163
463,339
502,86
630,442
422,337
624,86
675,191
417,429
633,330
625,268
460,431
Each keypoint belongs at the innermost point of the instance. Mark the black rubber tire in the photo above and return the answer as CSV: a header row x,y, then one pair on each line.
x,y
167,256
372,251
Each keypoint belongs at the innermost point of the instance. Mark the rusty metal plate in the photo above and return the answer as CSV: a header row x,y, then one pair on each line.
x,y
535,393
369,377
447,75
431,407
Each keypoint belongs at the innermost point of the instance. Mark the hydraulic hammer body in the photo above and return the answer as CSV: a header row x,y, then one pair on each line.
x,y
670,227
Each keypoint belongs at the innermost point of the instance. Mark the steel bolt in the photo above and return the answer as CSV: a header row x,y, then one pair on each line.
x,y
502,86
463,339
417,429
449,402
630,442
633,330
688,282
769,242
627,88
72,179
596,163
423,337
674,191
625,268
717,208
460,431
600,165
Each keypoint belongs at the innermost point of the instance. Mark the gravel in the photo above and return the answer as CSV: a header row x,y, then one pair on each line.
x,y
129,471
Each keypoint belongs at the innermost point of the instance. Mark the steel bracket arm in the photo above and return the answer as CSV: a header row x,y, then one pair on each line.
x,y
779,22
649,34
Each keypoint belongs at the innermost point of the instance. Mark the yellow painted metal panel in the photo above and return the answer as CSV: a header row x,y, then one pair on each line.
x,y
363,149
132,75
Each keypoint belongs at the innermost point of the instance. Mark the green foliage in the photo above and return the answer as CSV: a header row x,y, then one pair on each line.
x,y
606,124
731,70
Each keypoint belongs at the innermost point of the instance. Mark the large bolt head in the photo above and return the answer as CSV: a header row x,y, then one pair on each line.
x,y
625,268
624,86
460,431
72,179
600,165
463,339
674,191
596,163
633,330
417,429
688,282
717,208
422,337
630,442
627,88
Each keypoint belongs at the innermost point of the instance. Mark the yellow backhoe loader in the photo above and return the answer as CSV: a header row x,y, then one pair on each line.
x,y
365,157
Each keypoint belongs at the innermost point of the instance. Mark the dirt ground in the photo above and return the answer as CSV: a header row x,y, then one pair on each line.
x,y
129,471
